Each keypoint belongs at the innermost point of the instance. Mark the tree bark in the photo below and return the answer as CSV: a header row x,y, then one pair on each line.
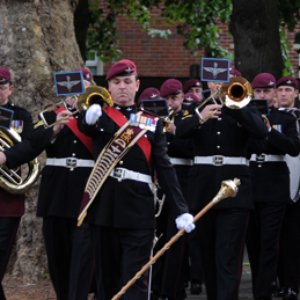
x,y
37,38
255,28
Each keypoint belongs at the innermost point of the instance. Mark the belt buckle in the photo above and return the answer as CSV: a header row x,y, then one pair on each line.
x,y
261,158
71,162
218,160
118,173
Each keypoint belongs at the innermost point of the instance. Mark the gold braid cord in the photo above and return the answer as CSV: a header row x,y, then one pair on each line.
x,y
229,188
112,153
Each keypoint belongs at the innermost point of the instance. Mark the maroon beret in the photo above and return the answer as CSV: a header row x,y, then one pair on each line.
x,y
263,80
170,87
123,67
5,75
149,93
287,80
191,97
235,72
192,83
87,74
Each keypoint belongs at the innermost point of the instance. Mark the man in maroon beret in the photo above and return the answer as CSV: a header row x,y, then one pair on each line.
x,y
287,91
149,93
11,205
264,87
270,186
288,270
122,214
193,86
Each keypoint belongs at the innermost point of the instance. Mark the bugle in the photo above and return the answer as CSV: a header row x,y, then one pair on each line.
x,y
93,94
235,94
229,188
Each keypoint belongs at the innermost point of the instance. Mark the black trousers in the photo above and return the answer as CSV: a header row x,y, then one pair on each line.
x,y
168,272
289,248
195,257
8,231
263,245
70,257
222,234
120,253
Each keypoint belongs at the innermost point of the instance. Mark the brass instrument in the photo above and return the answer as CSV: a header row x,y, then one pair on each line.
x,y
169,119
10,179
51,107
235,94
93,94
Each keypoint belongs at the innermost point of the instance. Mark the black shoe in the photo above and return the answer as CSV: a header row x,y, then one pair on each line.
x,y
196,288
290,294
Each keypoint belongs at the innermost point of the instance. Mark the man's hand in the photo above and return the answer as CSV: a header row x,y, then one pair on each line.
x,y
186,222
2,159
171,128
93,113
210,111
62,118
267,122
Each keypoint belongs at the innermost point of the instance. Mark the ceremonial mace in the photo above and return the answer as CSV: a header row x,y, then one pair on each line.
x,y
229,188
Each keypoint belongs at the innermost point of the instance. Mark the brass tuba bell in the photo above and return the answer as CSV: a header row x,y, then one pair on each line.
x,y
11,180
94,94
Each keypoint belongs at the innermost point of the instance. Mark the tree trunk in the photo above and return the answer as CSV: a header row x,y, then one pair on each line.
x,y
37,38
255,28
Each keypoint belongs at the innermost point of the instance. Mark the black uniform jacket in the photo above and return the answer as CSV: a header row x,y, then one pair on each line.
x,y
181,148
13,205
61,188
129,203
271,179
226,136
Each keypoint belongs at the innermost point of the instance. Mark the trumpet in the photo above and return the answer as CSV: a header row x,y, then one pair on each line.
x,y
235,94
93,94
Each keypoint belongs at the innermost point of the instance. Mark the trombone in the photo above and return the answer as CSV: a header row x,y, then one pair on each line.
x,y
235,94
93,94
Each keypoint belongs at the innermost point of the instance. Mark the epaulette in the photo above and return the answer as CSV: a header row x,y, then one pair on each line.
x,y
38,124
185,113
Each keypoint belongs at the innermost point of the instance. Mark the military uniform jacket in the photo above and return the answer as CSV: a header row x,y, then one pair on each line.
x,y
130,203
226,136
61,188
13,205
181,148
271,179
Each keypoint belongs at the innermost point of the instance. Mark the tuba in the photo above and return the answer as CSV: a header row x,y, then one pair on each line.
x,y
94,94
10,179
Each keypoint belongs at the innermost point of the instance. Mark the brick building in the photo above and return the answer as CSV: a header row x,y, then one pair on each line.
x,y
158,58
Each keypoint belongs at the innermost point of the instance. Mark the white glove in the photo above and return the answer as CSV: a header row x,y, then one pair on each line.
x,y
93,113
186,222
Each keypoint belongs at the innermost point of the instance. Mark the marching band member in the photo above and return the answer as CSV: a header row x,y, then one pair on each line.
x,y
169,279
68,165
11,206
271,187
220,136
122,214
289,248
